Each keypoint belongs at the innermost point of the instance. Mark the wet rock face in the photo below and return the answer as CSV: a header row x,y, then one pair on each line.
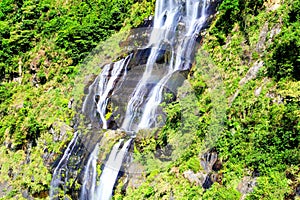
x,y
68,170
208,182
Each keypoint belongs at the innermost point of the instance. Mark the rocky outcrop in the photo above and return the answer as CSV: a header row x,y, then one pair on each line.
x,y
135,175
211,165
246,186
252,72
195,178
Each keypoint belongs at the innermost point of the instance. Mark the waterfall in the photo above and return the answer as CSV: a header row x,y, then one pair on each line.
x,y
90,174
61,168
168,15
111,170
102,88
176,28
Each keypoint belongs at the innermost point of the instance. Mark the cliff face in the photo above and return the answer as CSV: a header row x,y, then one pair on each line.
x,y
243,116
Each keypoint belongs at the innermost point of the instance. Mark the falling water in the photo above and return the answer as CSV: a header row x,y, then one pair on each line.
x,y
111,170
178,47
61,168
168,15
90,174
102,89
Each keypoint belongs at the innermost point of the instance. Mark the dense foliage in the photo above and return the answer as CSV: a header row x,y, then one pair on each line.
x,y
253,123
42,44
258,139
74,28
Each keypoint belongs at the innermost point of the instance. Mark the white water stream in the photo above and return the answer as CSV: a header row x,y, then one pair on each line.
x,y
143,104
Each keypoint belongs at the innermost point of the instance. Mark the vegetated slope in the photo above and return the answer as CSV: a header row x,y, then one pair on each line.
x,y
42,44
250,60
254,48
258,49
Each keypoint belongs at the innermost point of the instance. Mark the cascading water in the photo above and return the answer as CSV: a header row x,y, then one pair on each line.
x,y
111,170
167,17
103,87
90,174
58,171
176,28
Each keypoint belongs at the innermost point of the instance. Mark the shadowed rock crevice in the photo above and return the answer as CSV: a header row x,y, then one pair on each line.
x,y
211,165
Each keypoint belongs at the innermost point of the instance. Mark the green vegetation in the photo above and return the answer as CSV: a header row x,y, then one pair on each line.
x,y
253,123
262,130
258,136
42,44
